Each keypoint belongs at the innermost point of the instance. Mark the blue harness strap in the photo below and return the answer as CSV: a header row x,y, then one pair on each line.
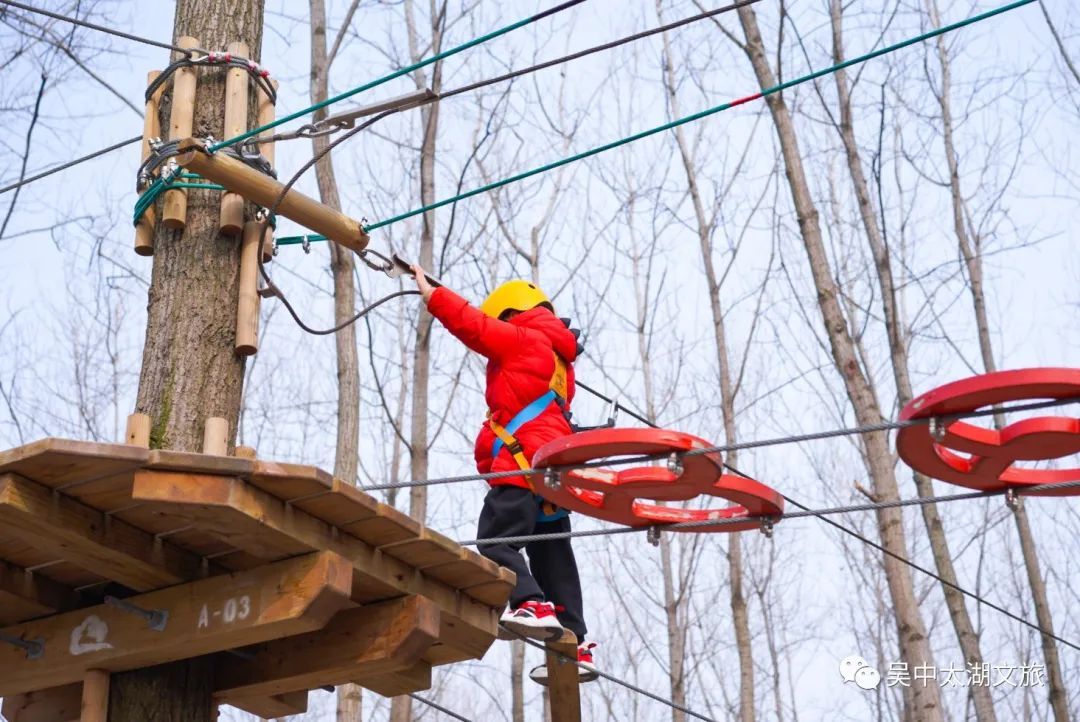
x,y
523,417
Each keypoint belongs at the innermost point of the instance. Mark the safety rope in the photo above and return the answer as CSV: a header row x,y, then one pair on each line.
x,y
259,74
697,116
398,73
725,448
102,28
69,164
610,677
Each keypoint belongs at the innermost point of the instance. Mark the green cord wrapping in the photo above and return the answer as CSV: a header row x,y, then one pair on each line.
x,y
289,240
184,180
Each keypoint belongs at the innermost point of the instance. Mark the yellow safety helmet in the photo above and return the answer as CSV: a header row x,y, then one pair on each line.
x,y
516,295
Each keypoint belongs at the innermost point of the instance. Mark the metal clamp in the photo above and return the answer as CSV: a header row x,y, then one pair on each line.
x,y
767,524
1012,499
34,648
653,536
156,619
675,464
305,243
937,429
551,479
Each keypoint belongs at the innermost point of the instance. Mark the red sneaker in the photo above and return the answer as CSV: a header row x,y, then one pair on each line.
x,y
533,619
586,670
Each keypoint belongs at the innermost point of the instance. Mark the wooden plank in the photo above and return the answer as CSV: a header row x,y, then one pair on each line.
x,y
25,595
563,687
230,502
198,463
95,696
269,708
375,639
78,534
210,615
265,190
58,704
58,462
414,679
290,482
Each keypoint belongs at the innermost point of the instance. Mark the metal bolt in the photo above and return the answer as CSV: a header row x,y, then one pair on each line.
x,y
1012,500
937,429
675,464
767,527
551,479
653,536
156,619
34,648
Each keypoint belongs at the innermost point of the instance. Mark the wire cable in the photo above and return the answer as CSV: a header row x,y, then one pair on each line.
x,y
696,116
398,73
439,707
610,678
724,448
101,28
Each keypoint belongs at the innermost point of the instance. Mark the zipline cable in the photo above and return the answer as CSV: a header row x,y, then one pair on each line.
x,y
397,73
698,116
102,28
292,240
611,678
724,448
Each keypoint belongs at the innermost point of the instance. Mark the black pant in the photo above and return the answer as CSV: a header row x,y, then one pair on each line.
x,y
551,574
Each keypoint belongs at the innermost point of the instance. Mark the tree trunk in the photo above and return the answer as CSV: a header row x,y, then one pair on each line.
x,y
923,700
966,635
401,707
971,251
739,617
189,370
349,701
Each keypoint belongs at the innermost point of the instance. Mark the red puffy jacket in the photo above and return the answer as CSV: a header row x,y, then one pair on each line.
x,y
519,370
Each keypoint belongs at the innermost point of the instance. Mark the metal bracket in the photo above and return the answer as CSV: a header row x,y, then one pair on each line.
x,y
767,524
551,479
156,619
937,429
34,648
305,243
1012,500
675,464
653,536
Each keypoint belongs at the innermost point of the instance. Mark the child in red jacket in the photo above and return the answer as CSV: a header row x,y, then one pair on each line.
x,y
530,385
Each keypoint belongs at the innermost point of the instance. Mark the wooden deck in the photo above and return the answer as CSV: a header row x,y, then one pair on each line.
x,y
295,577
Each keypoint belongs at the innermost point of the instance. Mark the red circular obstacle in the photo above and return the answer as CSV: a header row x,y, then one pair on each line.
x,y
983,458
613,495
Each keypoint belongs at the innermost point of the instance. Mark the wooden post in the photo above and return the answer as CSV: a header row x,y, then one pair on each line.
x,y
247,307
266,115
138,430
264,190
216,436
181,119
563,679
144,229
95,696
231,219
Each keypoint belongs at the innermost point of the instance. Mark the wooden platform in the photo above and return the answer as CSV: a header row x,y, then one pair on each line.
x,y
297,579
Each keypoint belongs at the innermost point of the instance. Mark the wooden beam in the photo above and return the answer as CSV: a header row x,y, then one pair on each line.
x,y
246,342
144,227
24,595
224,504
210,615
380,639
231,214
413,679
266,113
181,121
264,190
84,536
95,696
59,704
563,687
269,708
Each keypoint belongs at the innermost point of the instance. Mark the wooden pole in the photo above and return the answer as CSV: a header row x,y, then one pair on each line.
x,y
144,229
231,220
95,696
563,679
266,116
216,436
181,119
138,430
264,190
247,306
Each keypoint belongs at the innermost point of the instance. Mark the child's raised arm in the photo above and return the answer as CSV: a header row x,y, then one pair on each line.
x,y
486,336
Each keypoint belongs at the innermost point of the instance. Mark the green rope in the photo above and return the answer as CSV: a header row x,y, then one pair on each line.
x,y
289,240
159,186
374,83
